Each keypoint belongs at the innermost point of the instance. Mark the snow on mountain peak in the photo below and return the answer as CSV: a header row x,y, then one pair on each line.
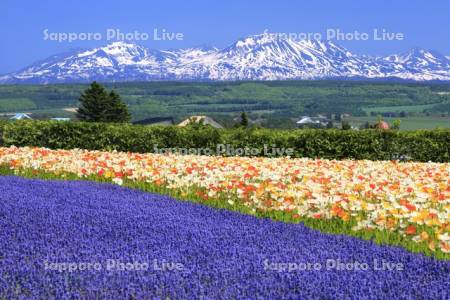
x,y
267,56
258,39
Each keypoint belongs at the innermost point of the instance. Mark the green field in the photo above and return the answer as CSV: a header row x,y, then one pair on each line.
x,y
268,104
400,108
408,123
16,104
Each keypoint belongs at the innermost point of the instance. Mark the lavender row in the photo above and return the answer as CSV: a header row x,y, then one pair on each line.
x,y
82,239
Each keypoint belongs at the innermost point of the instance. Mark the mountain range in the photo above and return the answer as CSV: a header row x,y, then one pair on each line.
x,y
260,57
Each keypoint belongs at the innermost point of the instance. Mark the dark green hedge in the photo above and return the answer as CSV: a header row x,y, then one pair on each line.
x,y
424,145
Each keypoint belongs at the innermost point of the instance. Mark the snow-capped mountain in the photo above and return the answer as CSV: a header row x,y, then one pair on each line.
x,y
416,64
261,57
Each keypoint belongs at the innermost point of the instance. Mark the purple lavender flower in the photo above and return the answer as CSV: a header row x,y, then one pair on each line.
x,y
86,240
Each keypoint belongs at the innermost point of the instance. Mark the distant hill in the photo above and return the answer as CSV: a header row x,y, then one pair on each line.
x,y
270,103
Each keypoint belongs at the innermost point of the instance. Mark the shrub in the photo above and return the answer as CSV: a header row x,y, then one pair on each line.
x,y
422,145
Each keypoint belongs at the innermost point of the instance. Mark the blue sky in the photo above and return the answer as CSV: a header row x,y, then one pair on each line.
x,y
217,23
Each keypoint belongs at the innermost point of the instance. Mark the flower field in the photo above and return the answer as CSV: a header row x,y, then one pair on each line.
x,y
410,199
58,240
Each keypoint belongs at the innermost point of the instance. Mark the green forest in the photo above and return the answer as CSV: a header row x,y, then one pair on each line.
x,y
268,104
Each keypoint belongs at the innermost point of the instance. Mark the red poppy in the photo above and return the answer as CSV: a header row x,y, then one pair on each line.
x,y
411,229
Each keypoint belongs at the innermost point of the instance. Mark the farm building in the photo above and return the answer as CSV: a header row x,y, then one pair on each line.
x,y
307,121
200,119
20,116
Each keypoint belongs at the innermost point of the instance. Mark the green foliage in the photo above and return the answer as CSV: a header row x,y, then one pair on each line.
x,y
118,111
396,124
3,123
244,120
97,105
422,145
106,136
346,125
275,102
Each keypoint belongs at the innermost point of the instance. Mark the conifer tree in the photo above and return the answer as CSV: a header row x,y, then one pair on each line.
x,y
97,105
244,120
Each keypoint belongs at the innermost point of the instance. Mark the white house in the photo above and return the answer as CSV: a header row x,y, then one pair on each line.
x,y
60,119
20,116
319,121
